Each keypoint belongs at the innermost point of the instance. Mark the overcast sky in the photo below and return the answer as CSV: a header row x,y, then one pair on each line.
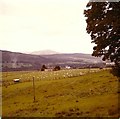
x,y
33,25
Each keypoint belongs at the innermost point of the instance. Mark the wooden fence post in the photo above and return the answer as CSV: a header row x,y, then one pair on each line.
x,y
33,90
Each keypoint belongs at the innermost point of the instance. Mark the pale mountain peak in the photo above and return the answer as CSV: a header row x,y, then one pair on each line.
x,y
44,52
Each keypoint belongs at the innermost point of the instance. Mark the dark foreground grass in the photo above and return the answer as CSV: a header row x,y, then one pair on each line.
x,y
90,95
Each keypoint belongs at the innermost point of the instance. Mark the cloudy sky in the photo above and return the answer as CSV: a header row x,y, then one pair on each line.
x,y
33,25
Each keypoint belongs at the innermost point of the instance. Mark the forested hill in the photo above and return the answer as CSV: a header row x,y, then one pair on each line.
x,y
22,61
8,56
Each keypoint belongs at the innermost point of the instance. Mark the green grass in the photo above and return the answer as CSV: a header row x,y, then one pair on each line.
x,y
94,94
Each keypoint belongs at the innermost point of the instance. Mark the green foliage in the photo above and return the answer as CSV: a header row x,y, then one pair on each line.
x,y
56,68
43,68
116,71
103,24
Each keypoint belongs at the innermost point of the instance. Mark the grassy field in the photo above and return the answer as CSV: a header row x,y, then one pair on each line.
x,y
65,93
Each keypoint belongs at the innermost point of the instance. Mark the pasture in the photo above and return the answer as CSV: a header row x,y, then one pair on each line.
x,y
64,93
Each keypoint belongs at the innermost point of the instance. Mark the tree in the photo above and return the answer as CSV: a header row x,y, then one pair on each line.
x,y
56,68
43,68
103,24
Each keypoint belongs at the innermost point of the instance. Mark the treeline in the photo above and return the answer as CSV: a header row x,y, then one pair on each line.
x,y
53,67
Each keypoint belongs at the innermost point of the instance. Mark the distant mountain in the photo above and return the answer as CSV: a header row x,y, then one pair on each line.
x,y
44,52
21,61
73,58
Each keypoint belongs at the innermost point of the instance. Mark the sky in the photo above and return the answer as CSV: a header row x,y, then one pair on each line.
x,y
34,25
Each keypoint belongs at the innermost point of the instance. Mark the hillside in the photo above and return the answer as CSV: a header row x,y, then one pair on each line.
x,y
22,61
93,94
77,57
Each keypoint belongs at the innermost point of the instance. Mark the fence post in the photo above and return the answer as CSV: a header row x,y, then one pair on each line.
x,y
33,90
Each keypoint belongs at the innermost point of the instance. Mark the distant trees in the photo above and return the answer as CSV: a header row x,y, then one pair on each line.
x,y
103,24
56,68
43,68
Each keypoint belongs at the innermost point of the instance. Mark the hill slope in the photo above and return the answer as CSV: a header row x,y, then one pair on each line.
x,y
21,61
80,57
90,95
